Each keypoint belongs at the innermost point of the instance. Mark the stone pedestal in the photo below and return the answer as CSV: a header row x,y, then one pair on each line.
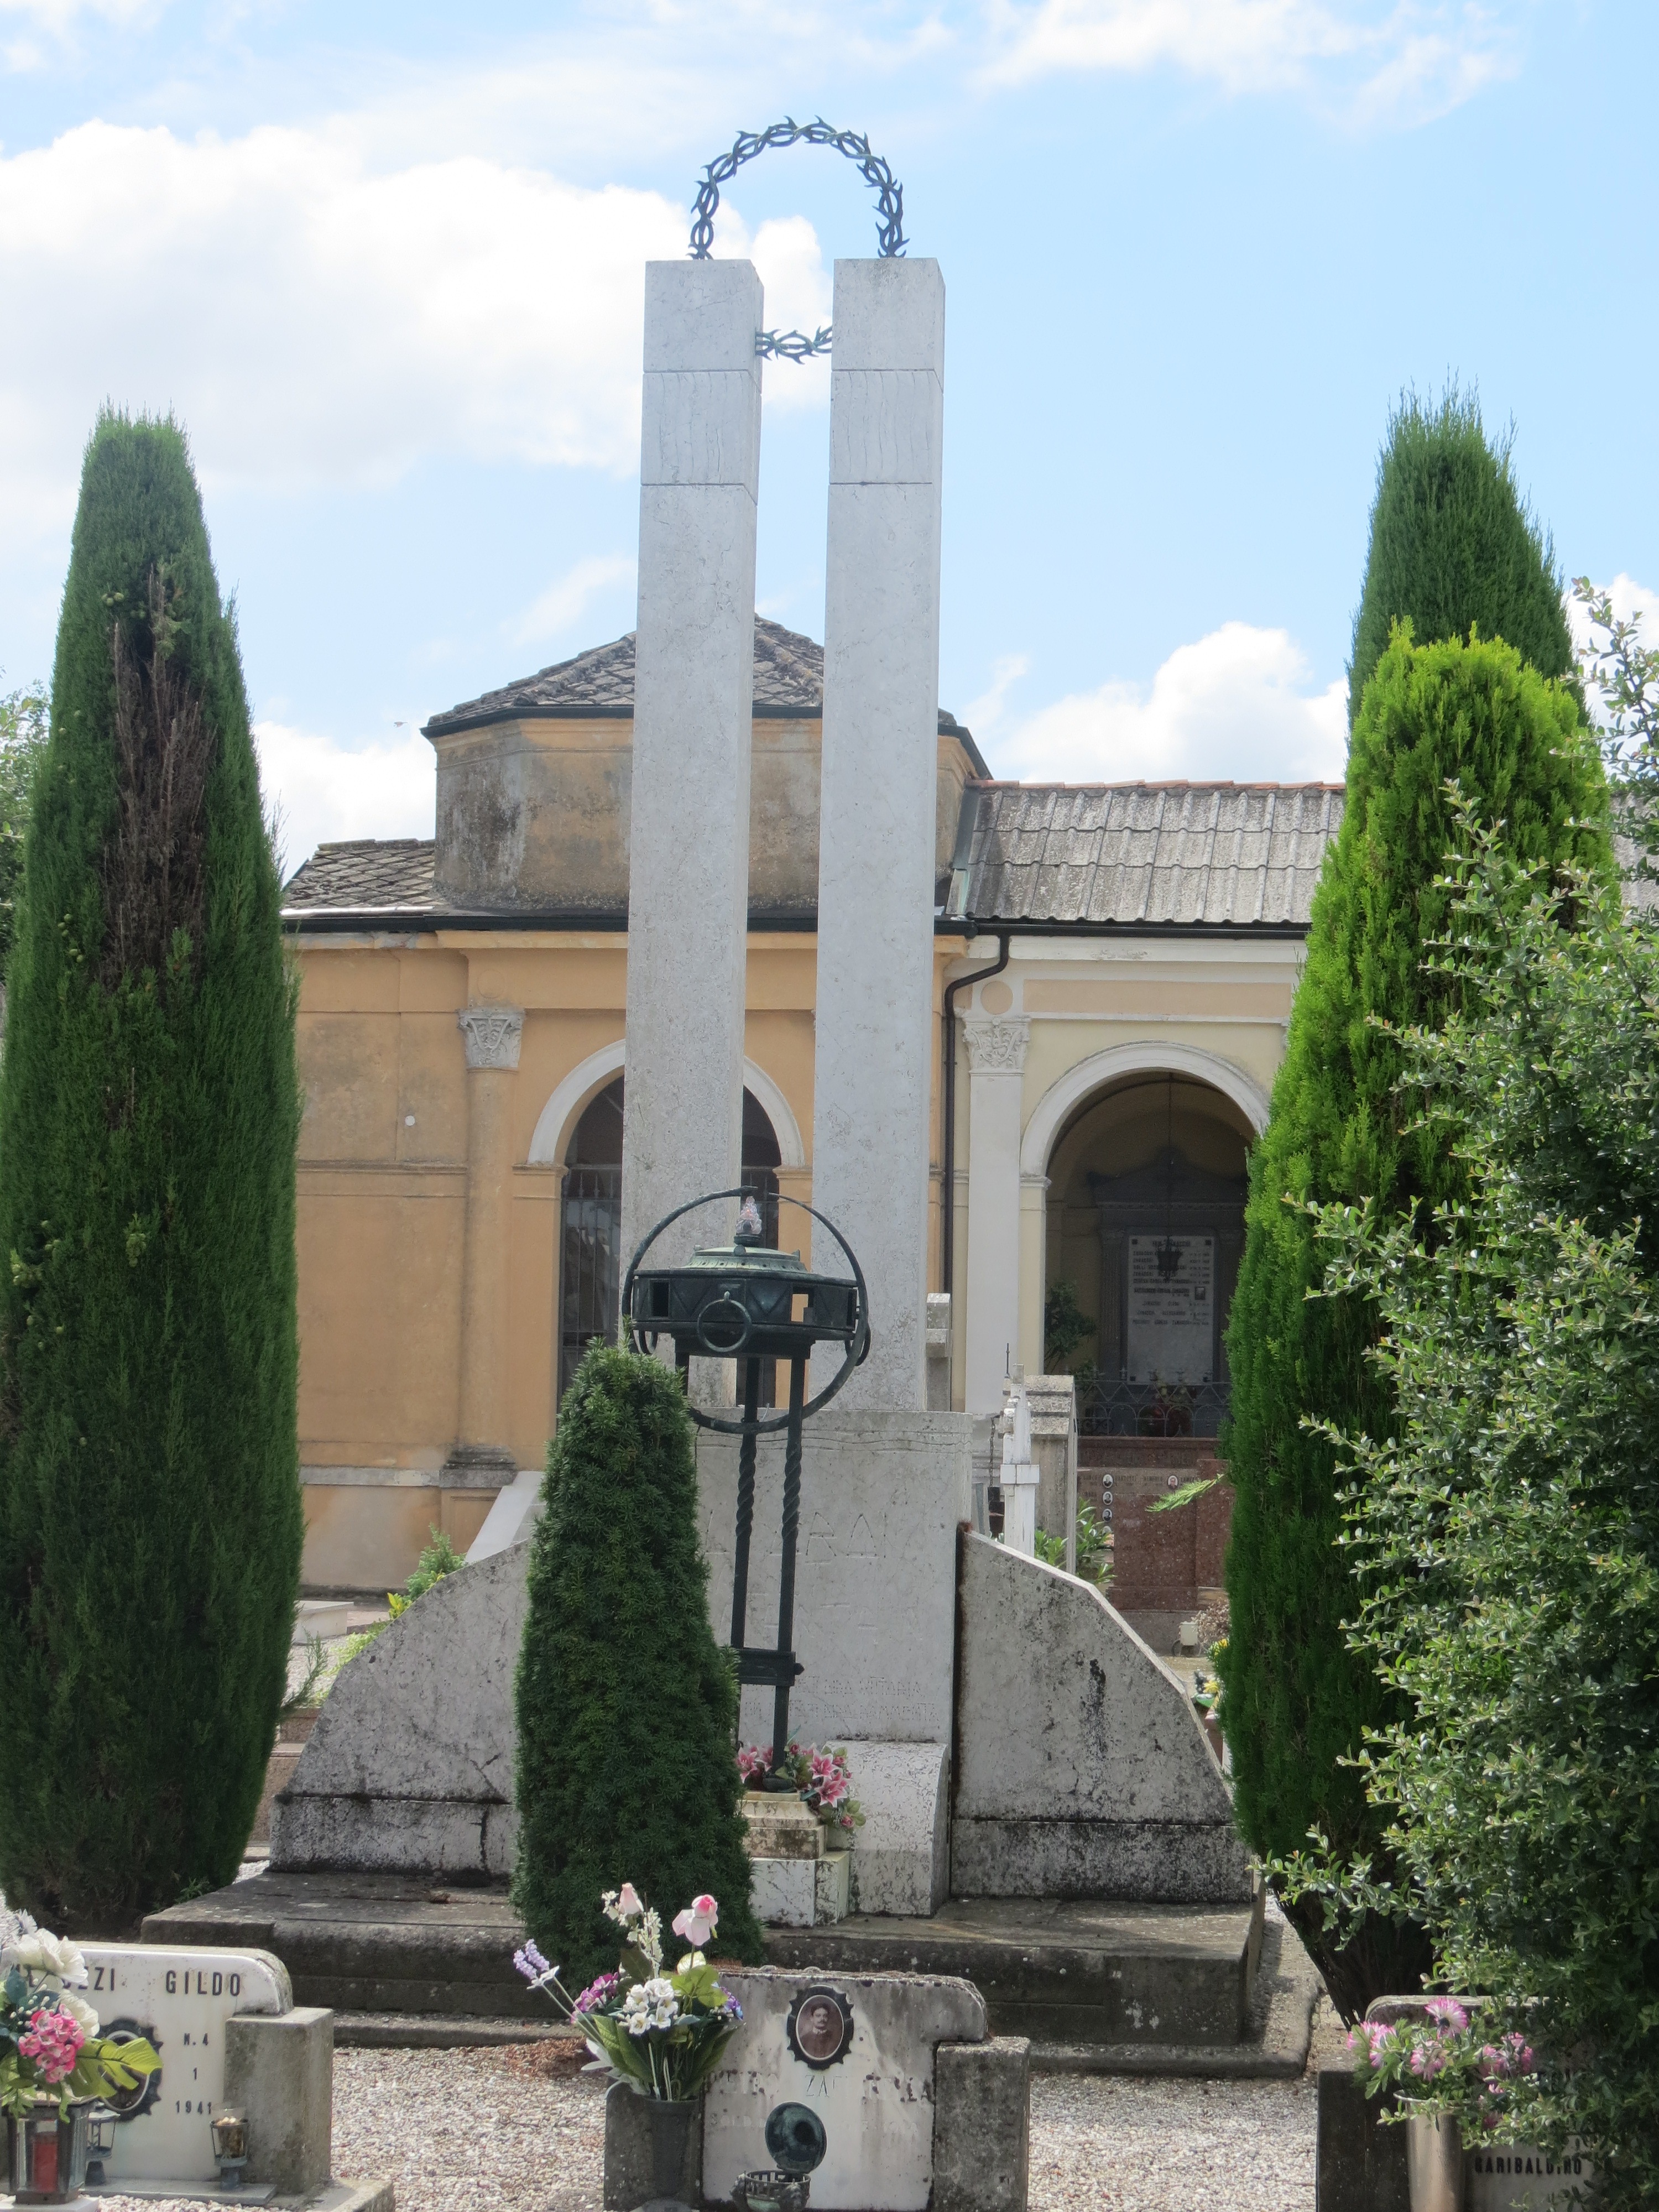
x,y
279,2075
693,663
875,1023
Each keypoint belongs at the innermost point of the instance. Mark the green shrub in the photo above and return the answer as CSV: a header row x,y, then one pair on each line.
x,y
24,719
1506,1529
1298,1698
627,1709
1453,549
1065,1326
150,1518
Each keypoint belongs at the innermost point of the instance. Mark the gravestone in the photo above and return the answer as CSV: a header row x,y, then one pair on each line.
x,y
182,2002
1170,1334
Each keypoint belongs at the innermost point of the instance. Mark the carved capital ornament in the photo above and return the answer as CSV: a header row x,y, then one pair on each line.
x,y
492,1035
997,1047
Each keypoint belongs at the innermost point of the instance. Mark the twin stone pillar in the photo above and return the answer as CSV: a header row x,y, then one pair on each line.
x,y
689,843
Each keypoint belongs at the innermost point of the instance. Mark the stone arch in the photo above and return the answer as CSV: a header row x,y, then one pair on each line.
x,y
1147,1056
558,1118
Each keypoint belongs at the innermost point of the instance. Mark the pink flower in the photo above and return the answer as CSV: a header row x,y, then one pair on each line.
x,y
629,1903
597,1993
698,1921
53,2041
1446,2013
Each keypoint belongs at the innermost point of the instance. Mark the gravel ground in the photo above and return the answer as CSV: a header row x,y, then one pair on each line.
x,y
522,2130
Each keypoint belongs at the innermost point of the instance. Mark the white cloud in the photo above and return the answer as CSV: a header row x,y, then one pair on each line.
x,y
984,715
316,320
1235,706
1402,61
323,791
565,601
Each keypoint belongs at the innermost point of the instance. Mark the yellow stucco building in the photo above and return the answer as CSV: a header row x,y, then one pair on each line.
x,y
461,1030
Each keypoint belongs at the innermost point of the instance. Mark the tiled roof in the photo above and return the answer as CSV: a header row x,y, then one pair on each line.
x,y
1137,853
372,875
788,681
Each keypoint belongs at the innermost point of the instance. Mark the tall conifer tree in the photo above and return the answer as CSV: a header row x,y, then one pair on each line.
x,y
1451,545
150,1519
1453,548
626,1708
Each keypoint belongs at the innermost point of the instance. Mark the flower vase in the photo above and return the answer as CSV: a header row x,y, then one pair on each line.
x,y
670,2127
652,2149
46,2152
1434,2162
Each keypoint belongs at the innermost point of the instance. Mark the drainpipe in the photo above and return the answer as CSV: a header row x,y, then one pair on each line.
x,y
948,1194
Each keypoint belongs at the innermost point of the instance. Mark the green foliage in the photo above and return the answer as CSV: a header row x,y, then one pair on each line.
x,y
1094,1546
23,721
1505,1530
1624,673
626,1706
1453,549
1296,1697
438,1558
1065,1326
150,1518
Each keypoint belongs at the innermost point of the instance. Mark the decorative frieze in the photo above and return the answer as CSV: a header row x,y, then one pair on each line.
x,y
492,1035
997,1047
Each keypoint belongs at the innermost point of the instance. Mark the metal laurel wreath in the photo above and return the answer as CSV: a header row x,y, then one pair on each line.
x,y
795,345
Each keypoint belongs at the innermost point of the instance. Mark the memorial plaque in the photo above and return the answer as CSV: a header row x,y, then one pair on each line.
x,y
1171,1322
180,1999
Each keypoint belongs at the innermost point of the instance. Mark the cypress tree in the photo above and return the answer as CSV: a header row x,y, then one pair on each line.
x,y
1453,548
150,1519
627,1709
1297,1700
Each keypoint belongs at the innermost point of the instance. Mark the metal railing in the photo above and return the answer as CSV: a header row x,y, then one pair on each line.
x,y
1123,1408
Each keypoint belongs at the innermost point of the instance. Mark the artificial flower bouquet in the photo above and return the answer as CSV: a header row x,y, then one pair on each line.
x,y
661,2033
822,1777
1443,2064
49,2046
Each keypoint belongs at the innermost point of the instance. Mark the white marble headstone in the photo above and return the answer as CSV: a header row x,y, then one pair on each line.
x,y
180,1999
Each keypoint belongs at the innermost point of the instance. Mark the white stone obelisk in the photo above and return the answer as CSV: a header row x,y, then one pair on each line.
x,y
689,835
875,1028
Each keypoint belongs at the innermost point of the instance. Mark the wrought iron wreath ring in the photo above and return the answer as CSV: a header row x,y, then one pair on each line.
x,y
795,345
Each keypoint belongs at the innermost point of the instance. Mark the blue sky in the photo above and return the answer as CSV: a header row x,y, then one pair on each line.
x,y
386,264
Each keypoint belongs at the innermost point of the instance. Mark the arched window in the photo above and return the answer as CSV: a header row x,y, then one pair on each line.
x,y
591,1259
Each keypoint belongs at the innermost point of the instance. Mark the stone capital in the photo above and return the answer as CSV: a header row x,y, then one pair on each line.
x,y
492,1035
997,1047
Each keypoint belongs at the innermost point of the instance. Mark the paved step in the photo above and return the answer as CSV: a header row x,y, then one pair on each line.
x,y
1099,1987
1066,1971
371,1942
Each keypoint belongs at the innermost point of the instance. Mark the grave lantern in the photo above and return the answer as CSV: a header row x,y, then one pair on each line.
x,y
748,1302
229,2133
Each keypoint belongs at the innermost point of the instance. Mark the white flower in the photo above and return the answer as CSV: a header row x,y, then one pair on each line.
x,y
80,2012
53,1960
650,2004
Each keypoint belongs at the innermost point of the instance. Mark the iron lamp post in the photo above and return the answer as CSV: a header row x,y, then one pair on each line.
x,y
748,1302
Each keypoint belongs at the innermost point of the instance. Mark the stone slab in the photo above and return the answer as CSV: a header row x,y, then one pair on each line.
x,y
901,1860
983,2125
512,1516
799,1892
882,1496
1082,1768
1065,1972
410,1764
876,2102
182,1999
279,2075
780,1828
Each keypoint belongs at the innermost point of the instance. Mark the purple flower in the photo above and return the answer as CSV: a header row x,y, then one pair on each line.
x,y
532,1965
597,1993
732,2009
1447,2014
